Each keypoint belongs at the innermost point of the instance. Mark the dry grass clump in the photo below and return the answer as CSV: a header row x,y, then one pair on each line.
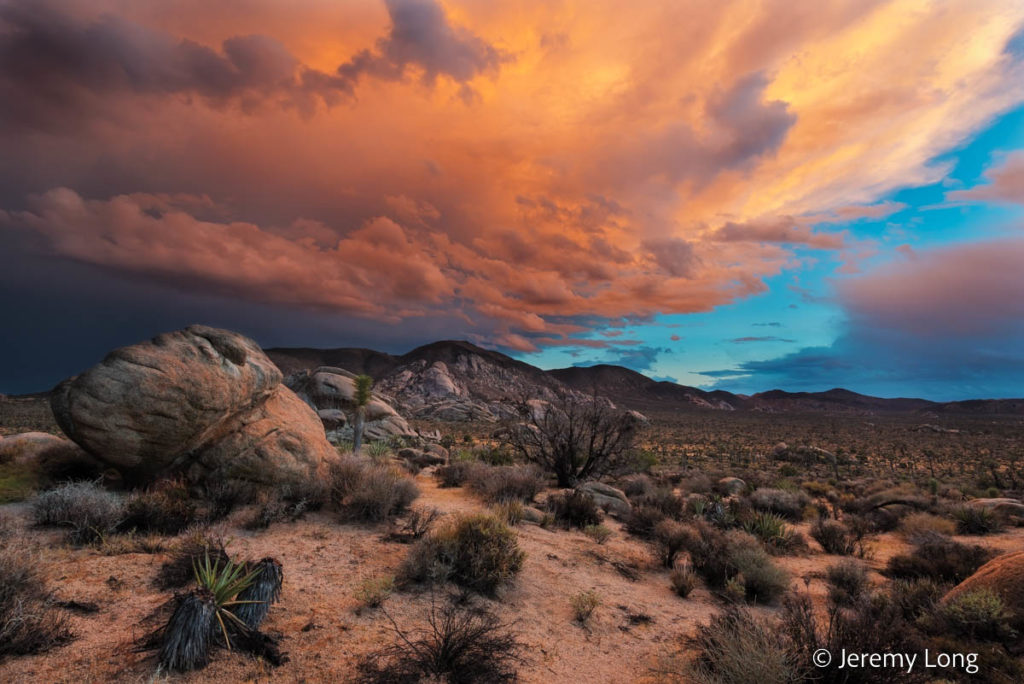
x,y
362,490
599,533
88,511
940,559
574,508
684,580
737,648
584,604
920,525
477,552
374,591
506,482
29,619
460,645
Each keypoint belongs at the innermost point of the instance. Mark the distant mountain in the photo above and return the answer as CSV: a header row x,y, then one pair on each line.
x,y
456,380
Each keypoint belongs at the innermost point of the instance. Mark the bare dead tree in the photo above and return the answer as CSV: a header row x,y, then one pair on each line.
x,y
575,438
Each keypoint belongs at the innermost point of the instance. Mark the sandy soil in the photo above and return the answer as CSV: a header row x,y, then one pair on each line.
x,y
324,633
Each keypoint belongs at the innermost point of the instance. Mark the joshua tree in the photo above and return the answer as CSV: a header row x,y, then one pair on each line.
x,y
364,383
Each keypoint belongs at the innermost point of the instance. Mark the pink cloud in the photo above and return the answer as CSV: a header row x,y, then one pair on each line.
x,y
1006,184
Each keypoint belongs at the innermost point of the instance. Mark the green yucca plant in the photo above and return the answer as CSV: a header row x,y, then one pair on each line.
x,y
225,582
767,527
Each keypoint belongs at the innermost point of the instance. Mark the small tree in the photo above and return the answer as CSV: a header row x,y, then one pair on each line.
x,y
362,396
575,438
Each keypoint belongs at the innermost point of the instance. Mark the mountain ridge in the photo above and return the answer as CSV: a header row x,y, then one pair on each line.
x,y
460,376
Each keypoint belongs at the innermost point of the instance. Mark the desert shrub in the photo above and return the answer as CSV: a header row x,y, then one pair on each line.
x,y
763,580
179,569
574,508
637,485
709,553
665,500
683,579
836,538
975,520
939,559
374,591
88,511
164,509
505,483
29,620
364,491
815,488
872,625
736,648
669,539
920,524
847,582
788,504
478,552
916,597
642,520
455,474
461,645
599,533
978,615
584,604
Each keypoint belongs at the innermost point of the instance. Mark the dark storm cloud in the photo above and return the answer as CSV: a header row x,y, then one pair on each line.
x,y
57,67
421,36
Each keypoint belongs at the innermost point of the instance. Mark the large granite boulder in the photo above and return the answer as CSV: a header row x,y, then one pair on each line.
x,y
1010,510
330,390
1004,576
202,401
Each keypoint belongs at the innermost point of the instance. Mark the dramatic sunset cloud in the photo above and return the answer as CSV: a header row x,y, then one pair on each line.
x,y
535,171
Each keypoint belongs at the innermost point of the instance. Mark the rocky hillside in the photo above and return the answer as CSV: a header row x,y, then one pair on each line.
x,y
457,380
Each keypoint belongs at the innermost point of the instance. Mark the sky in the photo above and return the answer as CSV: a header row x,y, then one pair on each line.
x,y
742,195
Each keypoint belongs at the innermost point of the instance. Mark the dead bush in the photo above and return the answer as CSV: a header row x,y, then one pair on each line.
x,y
362,490
461,645
737,648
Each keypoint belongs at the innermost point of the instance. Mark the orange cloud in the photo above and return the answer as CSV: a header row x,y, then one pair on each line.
x,y
532,168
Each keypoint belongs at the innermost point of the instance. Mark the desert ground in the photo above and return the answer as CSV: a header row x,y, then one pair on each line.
x,y
639,631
